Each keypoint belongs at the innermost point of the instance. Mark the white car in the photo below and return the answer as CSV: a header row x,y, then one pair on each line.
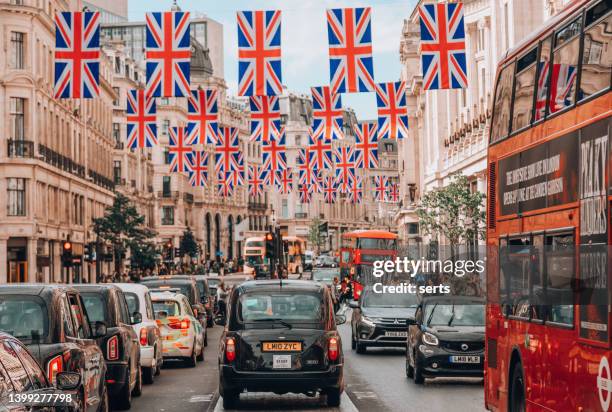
x,y
181,332
151,358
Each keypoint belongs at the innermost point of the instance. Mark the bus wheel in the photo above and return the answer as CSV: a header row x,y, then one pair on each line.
x,y
517,390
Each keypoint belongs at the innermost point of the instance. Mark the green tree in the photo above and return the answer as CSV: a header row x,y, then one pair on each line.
x,y
123,228
144,255
188,246
454,212
314,236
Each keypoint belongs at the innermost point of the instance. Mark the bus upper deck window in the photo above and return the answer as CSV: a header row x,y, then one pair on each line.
x,y
502,106
564,69
597,54
523,89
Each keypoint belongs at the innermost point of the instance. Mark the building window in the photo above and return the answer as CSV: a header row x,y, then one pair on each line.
x,y
298,140
117,92
595,71
165,127
413,228
16,199
285,209
17,50
117,133
167,216
117,172
117,64
166,183
166,156
17,118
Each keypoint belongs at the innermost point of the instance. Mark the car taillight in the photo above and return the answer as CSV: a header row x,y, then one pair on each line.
x,y
230,349
185,324
144,337
332,349
179,324
54,366
112,348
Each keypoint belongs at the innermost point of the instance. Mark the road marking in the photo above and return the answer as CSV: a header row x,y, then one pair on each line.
x,y
201,398
364,395
346,405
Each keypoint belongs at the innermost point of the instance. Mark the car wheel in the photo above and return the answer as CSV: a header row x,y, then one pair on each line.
x,y
517,390
104,404
417,372
230,399
200,357
191,361
333,397
148,375
138,386
158,366
123,402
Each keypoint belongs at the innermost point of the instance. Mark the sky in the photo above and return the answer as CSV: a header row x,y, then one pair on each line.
x,y
305,61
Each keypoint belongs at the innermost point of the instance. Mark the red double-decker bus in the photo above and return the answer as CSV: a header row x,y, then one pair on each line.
x,y
548,219
358,252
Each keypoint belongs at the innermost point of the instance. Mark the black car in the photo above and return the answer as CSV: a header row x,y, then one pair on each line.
x,y
106,303
281,337
325,275
206,298
52,322
447,338
20,373
380,319
188,287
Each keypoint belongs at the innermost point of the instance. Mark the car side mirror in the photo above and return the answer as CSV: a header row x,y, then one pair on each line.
x,y
136,318
99,330
353,304
67,381
340,319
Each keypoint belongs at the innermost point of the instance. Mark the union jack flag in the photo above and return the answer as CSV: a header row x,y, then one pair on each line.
x,y
356,191
284,180
327,114
227,150
366,145
306,167
168,54
380,188
305,193
203,116
330,190
238,172
350,50
257,178
275,154
77,55
225,186
198,168
392,110
345,167
320,151
561,87
443,46
141,120
259,53
178,150
393,193
265,118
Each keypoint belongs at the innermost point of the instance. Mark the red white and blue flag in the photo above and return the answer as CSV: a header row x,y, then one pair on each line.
x,y
141,120
392,110
366,145
330,190
168,54
77,55
275,155
225,186
259,53
356,190
561,87
198,168
345,167
305,193
203,116
393,194
238,172
380,188
320,151
284,181
327,114
443,46
308,174
257,178
227,150
265,118
178,150
350,50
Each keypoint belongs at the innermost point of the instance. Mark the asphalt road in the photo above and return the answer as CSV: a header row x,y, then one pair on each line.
x,y
376,381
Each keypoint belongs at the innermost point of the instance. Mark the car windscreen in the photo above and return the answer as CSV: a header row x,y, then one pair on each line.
x,y
185,288
449,314
96,307
325,275
169,306
372,299
132,301
374,243
290,307
24,317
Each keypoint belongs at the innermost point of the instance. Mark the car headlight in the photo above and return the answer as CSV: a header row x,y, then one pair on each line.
x,y
430,339
368,321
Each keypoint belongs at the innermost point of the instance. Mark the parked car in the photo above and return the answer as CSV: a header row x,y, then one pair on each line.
x,y
381,319
281,338
138,300
324,261
308,259
180,330
21,373
447,338
52,322
188,288
106,303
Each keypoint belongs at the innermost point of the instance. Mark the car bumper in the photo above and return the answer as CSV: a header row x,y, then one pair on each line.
x,y
178,348
116,377
375,335
438,364
281,382
147,357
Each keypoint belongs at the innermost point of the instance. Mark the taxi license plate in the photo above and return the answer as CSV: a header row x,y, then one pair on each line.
x,y
282,346
281,361
465,359
392,334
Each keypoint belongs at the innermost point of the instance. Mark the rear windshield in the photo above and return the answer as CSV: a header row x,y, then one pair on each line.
x,y
325,274
169,306
185,289
213,282
132,302
96,307
389,300
454,315
290,307
24,317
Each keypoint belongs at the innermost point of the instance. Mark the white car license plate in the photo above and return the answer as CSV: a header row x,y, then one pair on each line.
x,y
281,361
465,359
392,334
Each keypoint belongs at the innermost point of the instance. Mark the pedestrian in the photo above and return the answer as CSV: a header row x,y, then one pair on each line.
x,y
335,295
221,296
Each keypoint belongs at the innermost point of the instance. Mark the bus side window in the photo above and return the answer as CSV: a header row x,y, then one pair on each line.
x,y
565,67
524,88
517,268
597,51
502,106
543,79
560,276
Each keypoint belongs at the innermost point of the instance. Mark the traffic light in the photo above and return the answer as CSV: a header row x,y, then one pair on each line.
x,y
88,249
179,252
67,253
270,244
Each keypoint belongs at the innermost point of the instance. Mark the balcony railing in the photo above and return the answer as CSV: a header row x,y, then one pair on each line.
x,y
168,194
301,215
20,148
258,206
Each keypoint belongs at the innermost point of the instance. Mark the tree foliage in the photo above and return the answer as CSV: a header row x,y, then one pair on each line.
x,y
314,235
189,246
